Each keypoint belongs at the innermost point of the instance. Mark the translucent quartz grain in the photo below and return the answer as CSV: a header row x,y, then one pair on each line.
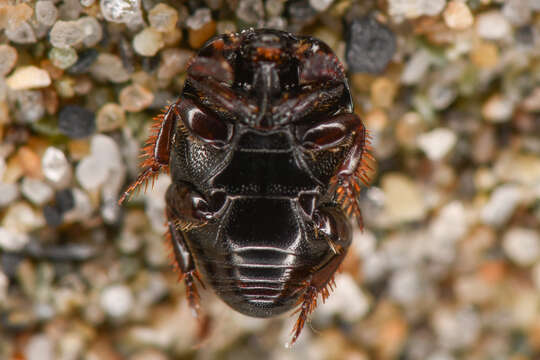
x,y
66,33
8,58
163,17
46,12
457,15
56,167
121,11
148,42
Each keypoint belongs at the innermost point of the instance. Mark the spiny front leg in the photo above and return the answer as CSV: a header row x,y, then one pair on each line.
x,y
157,149
332,226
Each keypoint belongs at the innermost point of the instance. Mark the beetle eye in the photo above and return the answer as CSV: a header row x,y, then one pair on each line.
x,y
203,124
323,136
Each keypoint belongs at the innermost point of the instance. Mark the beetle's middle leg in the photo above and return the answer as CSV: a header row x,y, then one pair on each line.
x,y
354,171
185,210
184,265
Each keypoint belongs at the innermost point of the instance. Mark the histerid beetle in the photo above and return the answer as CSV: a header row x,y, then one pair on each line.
x,y
266,158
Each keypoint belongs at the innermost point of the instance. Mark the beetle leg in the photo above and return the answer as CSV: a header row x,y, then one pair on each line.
x,y
156,152
184,265
181,210
316,99
333,225
334,132
189,208
354,172
212,92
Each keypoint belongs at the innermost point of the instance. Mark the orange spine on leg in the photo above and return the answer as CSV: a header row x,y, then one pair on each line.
x,y
307,304
348,188
150,165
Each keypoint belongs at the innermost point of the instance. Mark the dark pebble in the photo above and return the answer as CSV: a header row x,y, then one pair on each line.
x,y
85,60
150,64
370,45
106,38
525,35
9,263
76,122
301,10
64,200
53,216
300,14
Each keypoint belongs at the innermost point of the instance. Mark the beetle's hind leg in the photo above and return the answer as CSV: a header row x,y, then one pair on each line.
x,y
156,151
322,282
332,227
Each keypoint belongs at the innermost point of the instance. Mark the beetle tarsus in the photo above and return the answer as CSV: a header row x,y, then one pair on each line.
x,y
308,304
149,173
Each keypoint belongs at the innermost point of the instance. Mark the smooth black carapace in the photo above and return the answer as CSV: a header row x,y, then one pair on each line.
x,y
266,158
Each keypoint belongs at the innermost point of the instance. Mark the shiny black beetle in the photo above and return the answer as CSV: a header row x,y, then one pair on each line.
x,y
266,158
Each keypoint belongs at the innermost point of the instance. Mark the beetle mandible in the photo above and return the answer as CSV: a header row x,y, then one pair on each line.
x,y
266,158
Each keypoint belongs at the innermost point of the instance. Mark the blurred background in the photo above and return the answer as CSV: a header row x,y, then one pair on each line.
x,y
448,266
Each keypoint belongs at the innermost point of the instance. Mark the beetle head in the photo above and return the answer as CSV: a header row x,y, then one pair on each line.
x,y
267,79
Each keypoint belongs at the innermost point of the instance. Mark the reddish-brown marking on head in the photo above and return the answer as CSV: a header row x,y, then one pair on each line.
x,y
268,54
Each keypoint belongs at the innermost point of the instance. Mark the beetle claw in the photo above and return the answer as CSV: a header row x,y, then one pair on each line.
x,y
149,173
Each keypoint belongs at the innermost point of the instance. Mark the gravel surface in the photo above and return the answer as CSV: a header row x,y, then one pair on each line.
x,y
448,266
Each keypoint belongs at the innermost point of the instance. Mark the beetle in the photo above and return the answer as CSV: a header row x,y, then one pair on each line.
x,y
267,159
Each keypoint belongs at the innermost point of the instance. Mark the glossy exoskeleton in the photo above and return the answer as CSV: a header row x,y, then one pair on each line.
x,y
266,158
